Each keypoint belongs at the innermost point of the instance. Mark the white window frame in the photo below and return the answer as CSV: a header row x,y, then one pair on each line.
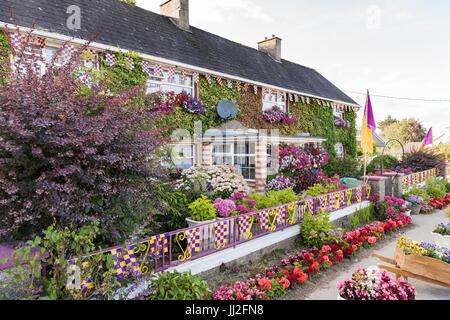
x,y
233,155
339,114
270,100
182,157
164,81
339,146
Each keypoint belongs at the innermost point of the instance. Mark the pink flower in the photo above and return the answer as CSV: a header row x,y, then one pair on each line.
x,y
242,208
390,210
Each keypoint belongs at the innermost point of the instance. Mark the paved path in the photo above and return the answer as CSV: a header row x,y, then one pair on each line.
x,y
420,230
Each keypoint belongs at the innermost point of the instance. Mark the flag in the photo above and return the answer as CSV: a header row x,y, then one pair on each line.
x,y
368,127
219,81
171,73
255,89
428,139
110,59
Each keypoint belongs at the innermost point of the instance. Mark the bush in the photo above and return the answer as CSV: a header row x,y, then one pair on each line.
x,y
436,187
62,246
274,198
315,231
214,181
179,286
424,160
202,209
347,167
69,151
388,162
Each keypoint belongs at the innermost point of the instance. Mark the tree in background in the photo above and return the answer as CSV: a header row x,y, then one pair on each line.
x,y
406,130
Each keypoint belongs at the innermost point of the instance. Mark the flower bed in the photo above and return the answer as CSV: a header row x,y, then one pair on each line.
x,y
296,269
371,284
440,203
443,229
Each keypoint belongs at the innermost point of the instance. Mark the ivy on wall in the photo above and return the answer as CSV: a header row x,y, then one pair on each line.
x,y
4,54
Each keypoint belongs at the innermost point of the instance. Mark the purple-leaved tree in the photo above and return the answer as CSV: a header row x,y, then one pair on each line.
x,y
69,148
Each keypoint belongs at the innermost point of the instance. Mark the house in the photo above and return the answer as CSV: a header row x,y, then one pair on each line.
x,y
180,57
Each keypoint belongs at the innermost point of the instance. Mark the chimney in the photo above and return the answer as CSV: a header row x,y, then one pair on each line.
x,y
272,47
177,11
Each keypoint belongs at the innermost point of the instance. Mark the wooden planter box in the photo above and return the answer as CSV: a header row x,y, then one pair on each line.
x,y
423,268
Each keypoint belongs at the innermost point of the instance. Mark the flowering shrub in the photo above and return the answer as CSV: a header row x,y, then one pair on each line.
x,y
280,182
215,181
70,152
443,229
388,206
426,208
440,203
371,284
249,290
415,200
224,207
298,167
318,230
276,115
296,269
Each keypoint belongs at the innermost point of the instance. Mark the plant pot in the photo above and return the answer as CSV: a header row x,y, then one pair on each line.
x,y
415,209
407,213
206,232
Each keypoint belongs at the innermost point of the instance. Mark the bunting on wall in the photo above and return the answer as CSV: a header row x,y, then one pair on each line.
x,y
171,73
219,81
303,99
255,89
158,71
129,63
67,51
41,42
264,91
307,100
110,59
195,77
296,98
89,55
17,39
238,86
229,84
245,87
290,97
146,67
183,75
208,78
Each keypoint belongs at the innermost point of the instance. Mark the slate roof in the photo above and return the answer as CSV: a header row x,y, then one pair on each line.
x,y
143,31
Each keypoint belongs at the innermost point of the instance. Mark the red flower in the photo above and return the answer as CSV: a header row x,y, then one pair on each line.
x,y
372,240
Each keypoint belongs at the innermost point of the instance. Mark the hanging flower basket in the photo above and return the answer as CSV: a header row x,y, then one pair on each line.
x,y
276,115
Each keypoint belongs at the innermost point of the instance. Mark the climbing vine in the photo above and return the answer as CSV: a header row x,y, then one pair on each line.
x,y
4,54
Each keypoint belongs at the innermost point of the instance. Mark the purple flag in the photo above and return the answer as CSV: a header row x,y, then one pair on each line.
x,y
428,138
368,113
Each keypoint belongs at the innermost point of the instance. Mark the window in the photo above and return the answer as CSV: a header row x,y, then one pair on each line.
x,y
270,100
177,85
183,155
340,150
339,114
240,155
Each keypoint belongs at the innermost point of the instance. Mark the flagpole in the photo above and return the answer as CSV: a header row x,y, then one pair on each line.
x,y
365,147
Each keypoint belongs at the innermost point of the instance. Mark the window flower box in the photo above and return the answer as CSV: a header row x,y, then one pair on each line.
x,y
276,115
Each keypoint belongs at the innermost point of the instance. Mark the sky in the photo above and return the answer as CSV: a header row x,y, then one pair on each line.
x,y
395,48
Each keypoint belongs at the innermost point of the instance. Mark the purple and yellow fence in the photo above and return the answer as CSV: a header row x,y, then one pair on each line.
x,y
171,249
419,177
160,252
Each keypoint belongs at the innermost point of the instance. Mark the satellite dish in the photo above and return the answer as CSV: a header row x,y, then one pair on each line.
x,y
227,109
